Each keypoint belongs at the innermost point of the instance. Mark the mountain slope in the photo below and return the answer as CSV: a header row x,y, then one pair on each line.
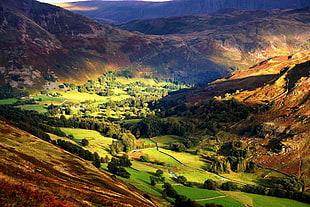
x,y
36,173
123,11
40,40
238,39
279,130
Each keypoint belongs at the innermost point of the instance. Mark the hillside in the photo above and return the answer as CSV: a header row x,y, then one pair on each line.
x,y
279,130
36,173
124,11
40,42
238,39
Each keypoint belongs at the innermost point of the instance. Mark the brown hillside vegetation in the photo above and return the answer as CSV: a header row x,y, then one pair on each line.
x,y
36,173
286,90
280,134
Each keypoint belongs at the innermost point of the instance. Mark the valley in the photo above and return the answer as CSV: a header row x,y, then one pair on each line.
x,y
116,115
209,109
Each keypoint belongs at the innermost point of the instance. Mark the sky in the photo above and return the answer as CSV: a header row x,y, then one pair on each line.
x,y
62,1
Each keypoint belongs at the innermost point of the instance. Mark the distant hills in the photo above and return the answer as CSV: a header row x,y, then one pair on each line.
x,y
42,42
123,11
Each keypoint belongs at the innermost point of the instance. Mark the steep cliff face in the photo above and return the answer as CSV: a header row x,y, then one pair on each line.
x,y
123,11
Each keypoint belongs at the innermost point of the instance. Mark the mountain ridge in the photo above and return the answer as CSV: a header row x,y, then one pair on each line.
x,y
123,11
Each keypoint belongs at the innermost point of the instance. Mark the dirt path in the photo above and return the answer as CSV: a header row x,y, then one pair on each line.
x,y
206,199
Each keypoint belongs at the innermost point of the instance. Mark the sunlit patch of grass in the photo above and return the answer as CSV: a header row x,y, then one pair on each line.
x,y
38,108
8,101
81,133
186,158
166,140
194,175
198,194
262,201
97,142
153,154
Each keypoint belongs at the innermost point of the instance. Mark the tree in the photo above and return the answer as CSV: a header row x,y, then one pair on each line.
x,y
84,142
144,158
181,179
96,161
106,159
153,180
210,184
178,147
229,186
169,190
124,161
70,136
116,166
159,173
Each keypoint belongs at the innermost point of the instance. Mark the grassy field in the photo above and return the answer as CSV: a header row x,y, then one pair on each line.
x,y
186,158
153,154
97,142
203,196
178,169
164,141
81,133
39,108
145,142
195,176
8,101
263,201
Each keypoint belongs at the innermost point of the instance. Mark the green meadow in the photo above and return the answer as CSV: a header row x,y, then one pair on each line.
x,y
255,200
97,142
8,101
203,196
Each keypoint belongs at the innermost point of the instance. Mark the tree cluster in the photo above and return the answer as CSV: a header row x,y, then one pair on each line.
x,y
152,126
8,91
157,178
116,166
235,157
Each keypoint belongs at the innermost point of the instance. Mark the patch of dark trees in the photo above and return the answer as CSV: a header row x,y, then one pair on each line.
x,y
8,91
117,166
205,118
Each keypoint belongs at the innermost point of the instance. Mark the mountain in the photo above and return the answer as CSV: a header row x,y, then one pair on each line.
x,y
238,39
280,130
36,173
123,11
41,42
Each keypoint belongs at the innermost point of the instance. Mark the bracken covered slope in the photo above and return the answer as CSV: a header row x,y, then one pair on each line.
x,y
36,173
